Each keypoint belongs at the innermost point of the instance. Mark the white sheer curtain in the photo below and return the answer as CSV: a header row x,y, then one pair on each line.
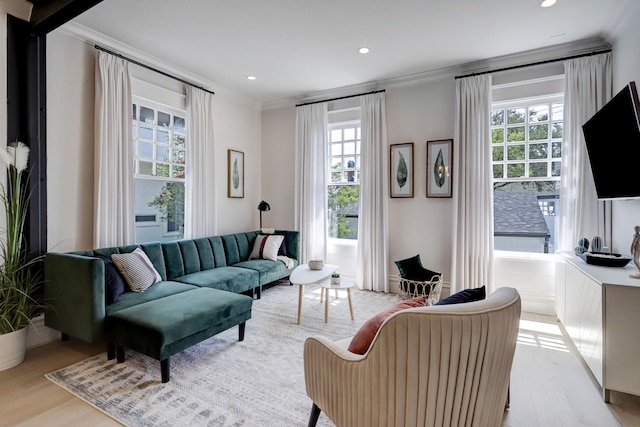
x,y
200,212
114,222
588,86
472,261
373,251
311,180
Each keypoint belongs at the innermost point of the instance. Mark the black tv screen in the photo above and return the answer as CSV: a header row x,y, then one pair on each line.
x,y
612,137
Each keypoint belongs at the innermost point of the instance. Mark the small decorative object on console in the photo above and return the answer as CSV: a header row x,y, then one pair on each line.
x,y
604,259
316,264
596,244
335,279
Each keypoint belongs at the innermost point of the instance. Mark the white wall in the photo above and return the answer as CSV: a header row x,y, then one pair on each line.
x,y
626,68
419,225
278,167
70,105
70,87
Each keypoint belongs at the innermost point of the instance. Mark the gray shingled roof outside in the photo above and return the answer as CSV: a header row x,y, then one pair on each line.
x,y
518,214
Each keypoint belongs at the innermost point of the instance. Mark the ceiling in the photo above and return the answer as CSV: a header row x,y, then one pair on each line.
x,y
300,47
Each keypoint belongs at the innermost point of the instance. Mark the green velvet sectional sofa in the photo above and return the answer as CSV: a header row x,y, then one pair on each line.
x,y
199,294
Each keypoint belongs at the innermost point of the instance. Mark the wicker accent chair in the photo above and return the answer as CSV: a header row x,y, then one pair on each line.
x,y
446,365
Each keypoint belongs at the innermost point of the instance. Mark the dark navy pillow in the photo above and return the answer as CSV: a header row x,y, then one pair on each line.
x,y
114,285
466,295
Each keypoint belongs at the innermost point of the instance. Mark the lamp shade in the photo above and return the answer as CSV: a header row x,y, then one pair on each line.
x,y
264,206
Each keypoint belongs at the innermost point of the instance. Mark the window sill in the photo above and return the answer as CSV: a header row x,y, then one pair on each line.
x,y
530,256
342,242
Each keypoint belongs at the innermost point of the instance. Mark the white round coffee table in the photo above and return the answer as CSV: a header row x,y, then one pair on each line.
x,y
302,275
327,286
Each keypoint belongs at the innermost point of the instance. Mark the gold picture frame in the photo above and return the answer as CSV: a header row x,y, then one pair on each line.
x,y
235,174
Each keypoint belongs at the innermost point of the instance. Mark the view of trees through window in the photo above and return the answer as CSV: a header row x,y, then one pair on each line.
x,y
344,180
526,144
159,145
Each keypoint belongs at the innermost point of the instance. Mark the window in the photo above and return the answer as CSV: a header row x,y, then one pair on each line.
x,y
159,137
526,152
344,179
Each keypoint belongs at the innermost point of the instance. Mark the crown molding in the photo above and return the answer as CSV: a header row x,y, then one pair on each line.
x,y
92,37
432,76
19,8
628,12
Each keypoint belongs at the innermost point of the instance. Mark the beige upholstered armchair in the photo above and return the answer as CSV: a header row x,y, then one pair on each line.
x,y
445,365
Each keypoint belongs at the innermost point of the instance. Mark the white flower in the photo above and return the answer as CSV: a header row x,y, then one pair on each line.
x,y
5,157
20,155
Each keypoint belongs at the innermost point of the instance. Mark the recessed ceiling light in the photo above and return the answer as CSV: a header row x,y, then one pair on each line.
x,y
251,77
363,50
547,3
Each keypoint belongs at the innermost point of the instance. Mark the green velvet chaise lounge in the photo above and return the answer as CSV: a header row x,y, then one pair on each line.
x,y
201,279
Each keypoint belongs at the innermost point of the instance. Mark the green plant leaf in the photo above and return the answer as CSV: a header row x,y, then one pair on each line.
x,y
439,170
401,174
236,175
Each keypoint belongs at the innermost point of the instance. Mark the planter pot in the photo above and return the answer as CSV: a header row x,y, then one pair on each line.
x,y
12,348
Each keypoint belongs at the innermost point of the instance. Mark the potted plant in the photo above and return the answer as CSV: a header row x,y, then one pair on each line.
x,y
18,278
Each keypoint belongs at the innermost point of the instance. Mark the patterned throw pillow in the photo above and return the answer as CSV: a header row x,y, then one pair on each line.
x,y
137,269
266,247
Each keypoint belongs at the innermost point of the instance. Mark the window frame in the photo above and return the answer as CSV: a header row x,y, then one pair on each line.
x,y
357,155
172,111
527,103
156,106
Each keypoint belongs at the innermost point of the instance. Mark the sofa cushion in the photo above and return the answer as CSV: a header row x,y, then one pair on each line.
x,y
137,269
114,284
231,279
155,254
162,327
159,290
266,247
268,270
465,295
363,338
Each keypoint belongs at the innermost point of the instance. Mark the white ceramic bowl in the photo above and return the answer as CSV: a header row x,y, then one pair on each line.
x,y
316,264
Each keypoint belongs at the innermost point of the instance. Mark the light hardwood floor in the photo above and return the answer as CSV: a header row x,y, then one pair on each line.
x,y
550,386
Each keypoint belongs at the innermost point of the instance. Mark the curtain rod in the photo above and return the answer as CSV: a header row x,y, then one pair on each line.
x,y
341,97
133,61
548,61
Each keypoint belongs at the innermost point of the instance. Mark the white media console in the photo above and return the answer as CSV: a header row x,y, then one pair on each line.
x,y
599,308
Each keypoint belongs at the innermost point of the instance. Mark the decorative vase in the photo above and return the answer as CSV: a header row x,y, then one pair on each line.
x,y
13,347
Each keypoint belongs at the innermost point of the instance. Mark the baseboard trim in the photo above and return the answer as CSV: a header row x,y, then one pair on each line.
x,y
39,334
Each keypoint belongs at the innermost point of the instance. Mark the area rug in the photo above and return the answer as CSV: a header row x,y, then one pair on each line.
x,y
223,382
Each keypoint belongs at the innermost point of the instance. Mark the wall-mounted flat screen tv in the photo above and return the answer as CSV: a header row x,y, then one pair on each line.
x,y
612,137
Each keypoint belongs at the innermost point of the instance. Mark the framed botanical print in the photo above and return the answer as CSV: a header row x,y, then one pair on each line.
x,y
439,168
401,170
235,174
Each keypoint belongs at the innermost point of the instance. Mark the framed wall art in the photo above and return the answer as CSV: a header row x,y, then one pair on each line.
x,y
235,174
439,168
401,170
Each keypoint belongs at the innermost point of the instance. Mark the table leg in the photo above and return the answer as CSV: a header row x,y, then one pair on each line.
x,y
301,291
321,295
326,307
350,305
336,294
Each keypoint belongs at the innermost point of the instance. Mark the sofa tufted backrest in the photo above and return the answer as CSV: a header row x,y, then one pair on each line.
x,y
177,258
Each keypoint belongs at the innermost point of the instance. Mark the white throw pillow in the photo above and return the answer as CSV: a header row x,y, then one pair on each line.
x,y
137,269
266,247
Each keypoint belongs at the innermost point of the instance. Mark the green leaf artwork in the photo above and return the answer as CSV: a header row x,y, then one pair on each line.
x,y
439,169
401,175
236,175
